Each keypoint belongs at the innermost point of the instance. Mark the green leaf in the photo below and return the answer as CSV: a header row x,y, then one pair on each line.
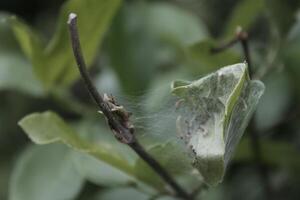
x,y
30,42
48,127
290,54
274,153
45,172
283,14
151,34
14,68
174,24
121,193
171,157
99,172
214,112
16,74
202,60
273,107
94,169
54,63
244,15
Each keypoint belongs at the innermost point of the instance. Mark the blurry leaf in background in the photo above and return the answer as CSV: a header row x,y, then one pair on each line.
x,y
173,158
146,37
278,154
174,24
244,14
98,172
275,102
15,72
213,114
108,82
45,172
54,63
290,54
246,185
283,14
121,193
202,59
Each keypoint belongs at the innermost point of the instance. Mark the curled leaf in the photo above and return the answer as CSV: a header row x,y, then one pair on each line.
x,y
213,114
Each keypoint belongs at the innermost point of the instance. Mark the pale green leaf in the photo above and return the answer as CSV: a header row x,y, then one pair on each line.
x,y
54,63
48,127
96,170
99,172
45,172
213,114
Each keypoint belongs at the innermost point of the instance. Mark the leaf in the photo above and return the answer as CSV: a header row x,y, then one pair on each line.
x,y
48,127
283,14
98,172
94,169
202,60
54,63
14,69
174,24
121,193
214,112
45,172
147,36
290,53
244,15
28,39
273,107
284,152
171,157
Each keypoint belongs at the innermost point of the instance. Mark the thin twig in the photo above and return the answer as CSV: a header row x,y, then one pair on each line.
x,y
119,122
225,46
242,38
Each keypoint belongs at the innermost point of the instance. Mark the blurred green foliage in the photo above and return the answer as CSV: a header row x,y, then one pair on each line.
x,y
135,48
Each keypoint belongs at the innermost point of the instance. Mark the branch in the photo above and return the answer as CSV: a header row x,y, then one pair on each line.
x,y
242,38
117,117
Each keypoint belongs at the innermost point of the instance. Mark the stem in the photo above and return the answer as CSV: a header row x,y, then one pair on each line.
x,y
159,170
225,46
119,124
242,37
